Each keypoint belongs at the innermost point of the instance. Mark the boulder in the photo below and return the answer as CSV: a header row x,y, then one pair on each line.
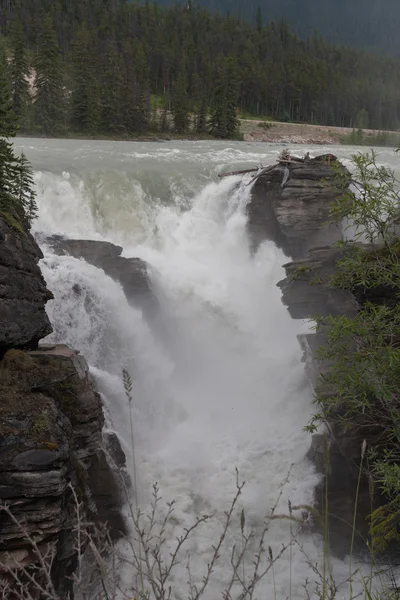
x,y
51,421
131,273
23,291
290,204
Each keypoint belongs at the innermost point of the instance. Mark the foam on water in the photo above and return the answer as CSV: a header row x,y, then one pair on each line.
x,y
218,379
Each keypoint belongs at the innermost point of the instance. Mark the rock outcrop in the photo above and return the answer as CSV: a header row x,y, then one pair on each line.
x,y
295,215
23,291
291,201
131,273
336,454
51,422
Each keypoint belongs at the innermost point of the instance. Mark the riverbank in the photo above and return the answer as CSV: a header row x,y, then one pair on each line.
x,y
296,133
253,130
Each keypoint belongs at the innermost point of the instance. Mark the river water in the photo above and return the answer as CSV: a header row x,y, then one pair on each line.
x,y
218,379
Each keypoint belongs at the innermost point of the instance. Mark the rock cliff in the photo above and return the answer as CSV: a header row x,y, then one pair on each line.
x,y
131,273
290,204
51,422
23,292
295,215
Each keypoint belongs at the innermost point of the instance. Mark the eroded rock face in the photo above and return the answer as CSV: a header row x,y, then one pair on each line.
x,y
295,213
51,421
131,273
23,291
304,299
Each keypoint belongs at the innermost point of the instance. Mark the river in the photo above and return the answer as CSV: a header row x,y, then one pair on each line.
x,y
218,379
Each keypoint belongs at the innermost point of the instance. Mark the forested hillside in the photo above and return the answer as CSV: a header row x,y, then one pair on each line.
x,y
119,68
368,24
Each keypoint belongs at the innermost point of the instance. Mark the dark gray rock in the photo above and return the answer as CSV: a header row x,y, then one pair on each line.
x,y
131,273
303,298
23,291
51,421
295,215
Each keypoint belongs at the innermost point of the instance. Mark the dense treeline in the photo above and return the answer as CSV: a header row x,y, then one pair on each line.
x,y
365,24
121,68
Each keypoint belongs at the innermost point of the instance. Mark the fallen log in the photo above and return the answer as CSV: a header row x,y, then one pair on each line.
x,y
239,172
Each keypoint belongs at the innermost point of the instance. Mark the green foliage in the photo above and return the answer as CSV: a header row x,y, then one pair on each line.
x,y
360,392
17,198
362,120
19,71
85,87
180,104
49,102
108,58
224,121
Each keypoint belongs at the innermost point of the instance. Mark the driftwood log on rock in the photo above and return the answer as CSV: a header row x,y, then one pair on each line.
x,y
253,170
291,202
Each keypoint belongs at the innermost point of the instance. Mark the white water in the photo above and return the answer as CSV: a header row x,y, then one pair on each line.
x,y
218,382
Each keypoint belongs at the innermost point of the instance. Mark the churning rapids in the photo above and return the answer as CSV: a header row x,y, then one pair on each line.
x,y
218,378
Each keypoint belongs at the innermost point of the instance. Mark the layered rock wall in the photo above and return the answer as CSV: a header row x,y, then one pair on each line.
x,y
23,292
51,427
295,215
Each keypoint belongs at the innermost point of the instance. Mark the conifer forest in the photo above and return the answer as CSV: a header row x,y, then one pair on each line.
x,y
122,69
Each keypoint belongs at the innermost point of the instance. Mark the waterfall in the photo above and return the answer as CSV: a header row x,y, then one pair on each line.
x,y
218,380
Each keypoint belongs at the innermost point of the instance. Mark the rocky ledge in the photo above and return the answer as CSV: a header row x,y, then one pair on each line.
x,y
23,292
291,201
290,204
51,428
131,273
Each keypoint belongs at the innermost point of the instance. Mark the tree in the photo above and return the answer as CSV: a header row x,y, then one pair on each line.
x,y
111,116
17,198
180,103
8,129
360,392
19,72
49,101
259,19
224,121
85,98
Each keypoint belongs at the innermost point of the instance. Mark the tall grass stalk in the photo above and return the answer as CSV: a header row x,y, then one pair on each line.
x,y
353,530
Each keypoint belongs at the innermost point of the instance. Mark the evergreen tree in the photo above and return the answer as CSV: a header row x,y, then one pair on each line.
x,y
49,102
85,97
111,116
180,109
259,19
17,198
8,129
19,71
24,188
224,121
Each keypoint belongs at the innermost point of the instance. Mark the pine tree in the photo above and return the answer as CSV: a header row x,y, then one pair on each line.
x,y
111,116
17,198
24,188
259,19
180,109
49,102
224,121
85,98
8,129
19,71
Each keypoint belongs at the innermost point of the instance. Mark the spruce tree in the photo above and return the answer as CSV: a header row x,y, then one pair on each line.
x,y
111,116
8,129
49,102
224,122
17,198
24,188
180,109
19,71
85,98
